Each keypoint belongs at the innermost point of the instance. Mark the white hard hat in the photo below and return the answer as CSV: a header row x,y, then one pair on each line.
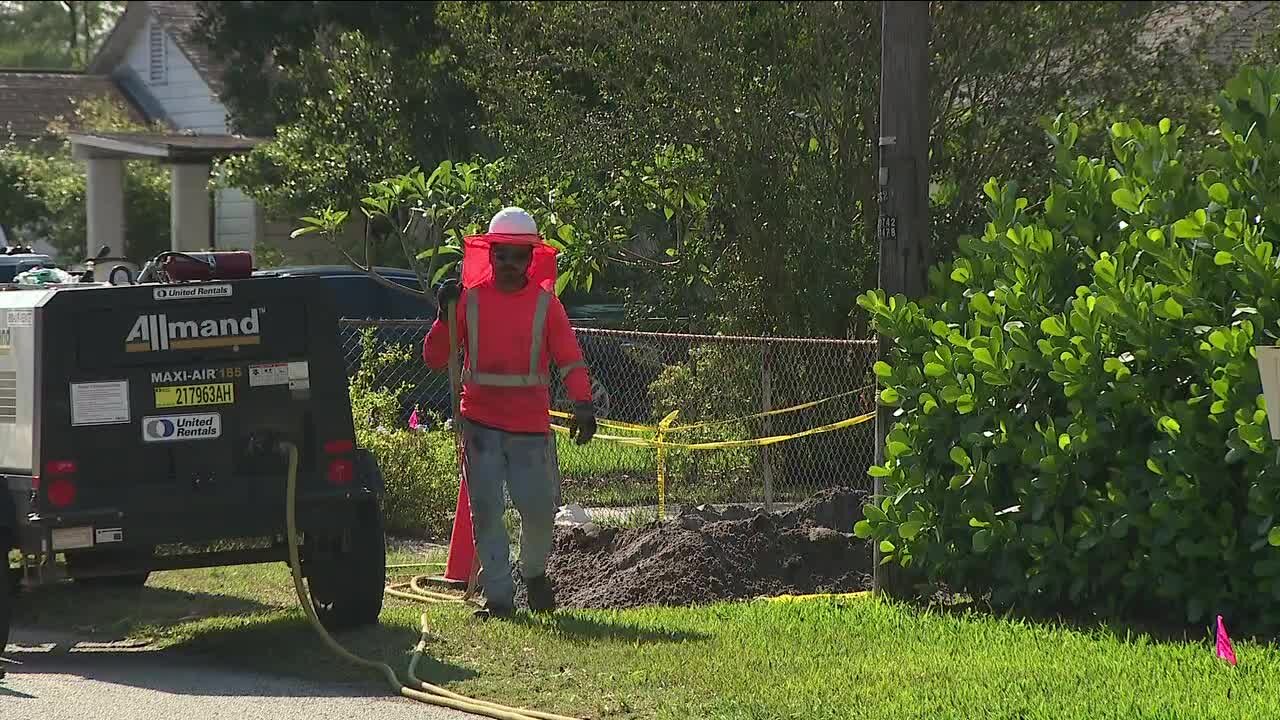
x,y
513,221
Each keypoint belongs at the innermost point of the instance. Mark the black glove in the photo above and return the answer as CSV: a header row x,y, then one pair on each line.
x,y
582,426
448,292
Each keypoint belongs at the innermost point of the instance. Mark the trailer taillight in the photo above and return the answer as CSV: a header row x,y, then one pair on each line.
x,y
338,447
59,482
341,469
60,467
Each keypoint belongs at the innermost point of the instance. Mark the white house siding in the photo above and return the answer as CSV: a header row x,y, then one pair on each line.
x,y
234,220
311,249
182,93
189,104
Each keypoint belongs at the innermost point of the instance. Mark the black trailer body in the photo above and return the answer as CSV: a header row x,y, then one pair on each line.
x,y
140,429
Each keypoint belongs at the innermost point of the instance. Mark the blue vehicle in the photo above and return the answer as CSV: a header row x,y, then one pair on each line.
x,y
620,379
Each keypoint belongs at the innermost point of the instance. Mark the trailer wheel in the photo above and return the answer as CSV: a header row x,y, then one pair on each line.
x,y
346,584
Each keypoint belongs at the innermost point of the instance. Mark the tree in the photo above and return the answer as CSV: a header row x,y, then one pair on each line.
x,y
354,92
54,35
725,149
778,102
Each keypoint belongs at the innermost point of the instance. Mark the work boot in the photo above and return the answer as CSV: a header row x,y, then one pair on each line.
x,y
541,596
494,610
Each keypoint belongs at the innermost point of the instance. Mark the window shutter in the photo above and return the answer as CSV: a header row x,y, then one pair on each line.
x,y
157,64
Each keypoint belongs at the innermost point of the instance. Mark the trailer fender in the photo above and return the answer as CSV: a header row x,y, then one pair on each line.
x,y
369,472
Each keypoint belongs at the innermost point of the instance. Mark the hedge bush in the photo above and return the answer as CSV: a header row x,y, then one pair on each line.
x,y
421,472
1079,421
420,467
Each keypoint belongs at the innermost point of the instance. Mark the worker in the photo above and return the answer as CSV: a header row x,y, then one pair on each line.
x,y
510,329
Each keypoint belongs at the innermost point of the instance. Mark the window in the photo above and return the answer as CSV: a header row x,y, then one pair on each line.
x,y
157,64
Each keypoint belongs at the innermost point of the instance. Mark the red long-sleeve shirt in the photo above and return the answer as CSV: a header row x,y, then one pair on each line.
x,y
505,337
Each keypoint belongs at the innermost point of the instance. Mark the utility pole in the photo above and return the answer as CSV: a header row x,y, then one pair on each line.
x,y
903,223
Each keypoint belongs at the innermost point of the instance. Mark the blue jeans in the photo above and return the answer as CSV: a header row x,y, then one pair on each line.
x,y
524,465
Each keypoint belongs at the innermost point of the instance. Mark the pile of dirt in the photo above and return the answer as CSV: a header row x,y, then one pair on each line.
x,y
704,557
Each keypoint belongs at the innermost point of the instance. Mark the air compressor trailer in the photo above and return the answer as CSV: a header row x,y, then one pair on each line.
x,y
140,430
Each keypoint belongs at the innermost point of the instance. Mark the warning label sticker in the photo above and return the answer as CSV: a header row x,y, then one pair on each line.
x,y
299,376
100,403
72,537
268,374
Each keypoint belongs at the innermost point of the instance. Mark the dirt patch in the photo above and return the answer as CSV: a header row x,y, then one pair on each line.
x,y
702,557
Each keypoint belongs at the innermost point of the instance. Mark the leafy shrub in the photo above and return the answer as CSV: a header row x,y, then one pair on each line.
x,y
1080,414
717,384
420,468
374,403
421,472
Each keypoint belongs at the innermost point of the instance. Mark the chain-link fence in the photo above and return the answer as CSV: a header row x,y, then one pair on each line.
x,y
721,389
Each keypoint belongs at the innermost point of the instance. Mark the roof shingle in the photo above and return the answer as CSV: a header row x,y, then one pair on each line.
x,y
30,99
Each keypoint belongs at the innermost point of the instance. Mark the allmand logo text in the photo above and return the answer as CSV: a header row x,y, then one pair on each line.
x,y
155,332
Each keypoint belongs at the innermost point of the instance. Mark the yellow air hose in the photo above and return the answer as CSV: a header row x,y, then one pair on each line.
x,y
423,692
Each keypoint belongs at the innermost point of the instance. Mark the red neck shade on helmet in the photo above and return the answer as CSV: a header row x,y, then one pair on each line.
x,y
476,269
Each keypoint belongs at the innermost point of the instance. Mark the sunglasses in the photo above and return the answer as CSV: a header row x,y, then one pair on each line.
x,y
511,253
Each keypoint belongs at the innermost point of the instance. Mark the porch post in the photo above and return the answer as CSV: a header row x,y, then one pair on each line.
x,y
189,206
104,206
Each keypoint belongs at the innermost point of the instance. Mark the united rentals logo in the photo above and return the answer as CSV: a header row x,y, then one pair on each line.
x,y
171,428
156,332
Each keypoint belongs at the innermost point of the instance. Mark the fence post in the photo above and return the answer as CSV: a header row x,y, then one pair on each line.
x,y
663,426
766,404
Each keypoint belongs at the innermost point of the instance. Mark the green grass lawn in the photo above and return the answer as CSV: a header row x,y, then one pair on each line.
x,y
862,659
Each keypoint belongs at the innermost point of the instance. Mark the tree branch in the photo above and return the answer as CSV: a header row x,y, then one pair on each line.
x,y
435,255
408,255
369,271
648,260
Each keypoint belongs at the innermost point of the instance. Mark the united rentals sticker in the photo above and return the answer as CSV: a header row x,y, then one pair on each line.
x,y
191,292
174,428
156,332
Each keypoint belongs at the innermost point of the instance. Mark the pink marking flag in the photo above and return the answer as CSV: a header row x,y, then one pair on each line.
x,y
1225,651
413,419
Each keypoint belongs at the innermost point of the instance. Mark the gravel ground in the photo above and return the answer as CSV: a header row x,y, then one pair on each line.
x,y
60,678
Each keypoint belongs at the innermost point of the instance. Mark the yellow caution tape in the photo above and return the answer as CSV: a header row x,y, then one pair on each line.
x,y
662,463
820,596
611,423
729,444
770,413
664,428
618,425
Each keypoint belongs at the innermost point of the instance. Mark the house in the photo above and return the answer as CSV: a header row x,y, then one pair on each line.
x,y
1225,31
151,62
152,59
